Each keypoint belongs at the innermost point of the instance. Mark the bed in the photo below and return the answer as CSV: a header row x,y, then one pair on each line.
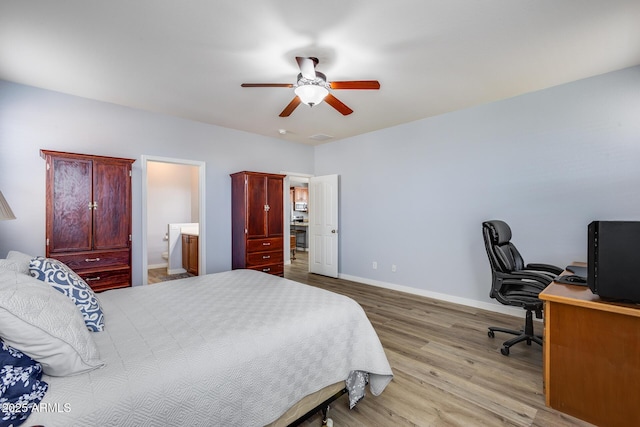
x,y
238,348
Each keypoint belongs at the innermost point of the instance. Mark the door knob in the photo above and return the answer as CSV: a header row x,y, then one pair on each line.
x,y
334,231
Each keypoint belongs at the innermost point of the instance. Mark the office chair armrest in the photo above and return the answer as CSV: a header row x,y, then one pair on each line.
x,y
544,267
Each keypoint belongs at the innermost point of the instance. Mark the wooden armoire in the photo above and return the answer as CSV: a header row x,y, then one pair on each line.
x,y
88,216
257,222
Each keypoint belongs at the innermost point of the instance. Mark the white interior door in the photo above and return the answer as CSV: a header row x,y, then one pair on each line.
x,y
323,225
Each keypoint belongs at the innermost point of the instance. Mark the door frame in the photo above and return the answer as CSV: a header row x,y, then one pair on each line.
x,y
202,267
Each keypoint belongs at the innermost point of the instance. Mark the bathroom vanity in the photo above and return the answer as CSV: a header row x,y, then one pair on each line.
x,y
190,252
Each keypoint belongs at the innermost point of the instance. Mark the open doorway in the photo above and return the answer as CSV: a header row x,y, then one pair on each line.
x,y
296,217
173,213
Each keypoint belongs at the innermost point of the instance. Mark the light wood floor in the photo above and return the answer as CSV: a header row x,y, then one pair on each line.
x,y
157,275
447,371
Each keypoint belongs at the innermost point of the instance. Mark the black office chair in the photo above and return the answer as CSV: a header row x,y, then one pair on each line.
x,y
513,282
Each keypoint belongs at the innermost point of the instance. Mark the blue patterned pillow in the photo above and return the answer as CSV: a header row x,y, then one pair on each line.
x,y
69,283
20,385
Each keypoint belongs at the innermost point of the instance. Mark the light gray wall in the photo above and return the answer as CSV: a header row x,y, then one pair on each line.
x,y
32,119
548,163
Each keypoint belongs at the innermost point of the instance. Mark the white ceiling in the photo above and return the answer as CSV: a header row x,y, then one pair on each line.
x,y
188,58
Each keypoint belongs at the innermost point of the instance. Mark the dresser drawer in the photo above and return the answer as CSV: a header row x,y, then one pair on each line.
x,y
275,269
263,245
82,261
261,258
109,279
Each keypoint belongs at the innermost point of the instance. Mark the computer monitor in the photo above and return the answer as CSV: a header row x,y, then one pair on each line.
x,y
613,260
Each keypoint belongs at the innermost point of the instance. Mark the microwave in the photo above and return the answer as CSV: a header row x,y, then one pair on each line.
x,y
300,207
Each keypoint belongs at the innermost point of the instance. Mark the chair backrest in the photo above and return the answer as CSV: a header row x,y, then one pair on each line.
x,y
503,255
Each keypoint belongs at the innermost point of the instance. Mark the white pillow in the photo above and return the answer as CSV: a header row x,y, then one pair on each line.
x,y
45,325
8,264
17,261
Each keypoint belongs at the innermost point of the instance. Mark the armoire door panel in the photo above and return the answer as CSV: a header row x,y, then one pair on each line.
x,y
112,205
275,200
70,189
256,201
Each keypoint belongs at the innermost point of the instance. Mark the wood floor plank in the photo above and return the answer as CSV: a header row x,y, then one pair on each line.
x,y
447,371
502,406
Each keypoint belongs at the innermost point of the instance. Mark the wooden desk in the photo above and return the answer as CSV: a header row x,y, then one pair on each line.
x,y
591,356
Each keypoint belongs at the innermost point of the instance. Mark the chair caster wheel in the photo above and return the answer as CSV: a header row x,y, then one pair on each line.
x,y
491,334
504,351
328,422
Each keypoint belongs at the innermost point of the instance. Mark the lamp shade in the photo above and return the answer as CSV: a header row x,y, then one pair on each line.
x,y
5,210
311,94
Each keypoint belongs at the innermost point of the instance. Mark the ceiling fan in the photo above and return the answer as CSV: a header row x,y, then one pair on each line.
x,y
312,87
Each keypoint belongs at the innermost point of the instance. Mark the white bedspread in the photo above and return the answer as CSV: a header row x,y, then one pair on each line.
x,y
230,349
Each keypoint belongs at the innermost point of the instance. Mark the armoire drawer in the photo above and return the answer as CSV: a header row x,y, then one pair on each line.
x,y
261,258
276,269
109,279
263,245
82,261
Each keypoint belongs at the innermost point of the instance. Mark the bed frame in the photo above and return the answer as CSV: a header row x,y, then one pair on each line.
x,y
310,405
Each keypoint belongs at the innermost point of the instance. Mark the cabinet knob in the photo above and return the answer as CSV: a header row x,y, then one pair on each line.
x,y
91,259
89,279
266,256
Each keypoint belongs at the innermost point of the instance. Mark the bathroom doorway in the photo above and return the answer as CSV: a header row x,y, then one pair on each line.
x,y
173,205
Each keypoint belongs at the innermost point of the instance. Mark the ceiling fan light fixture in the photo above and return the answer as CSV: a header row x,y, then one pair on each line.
x,y
312,91
311,94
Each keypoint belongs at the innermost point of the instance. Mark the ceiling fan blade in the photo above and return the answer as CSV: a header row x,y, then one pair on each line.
x,y
356,84
338,105
266,85
289,108
307,67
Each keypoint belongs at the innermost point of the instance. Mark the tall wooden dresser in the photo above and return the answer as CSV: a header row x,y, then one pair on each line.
x,y
257,222
88,214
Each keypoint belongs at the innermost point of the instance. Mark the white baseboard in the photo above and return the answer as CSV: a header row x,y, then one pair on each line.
x,y
152,266
512,311
177,271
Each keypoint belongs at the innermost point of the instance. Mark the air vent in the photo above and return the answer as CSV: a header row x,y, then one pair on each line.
x,y
320,137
